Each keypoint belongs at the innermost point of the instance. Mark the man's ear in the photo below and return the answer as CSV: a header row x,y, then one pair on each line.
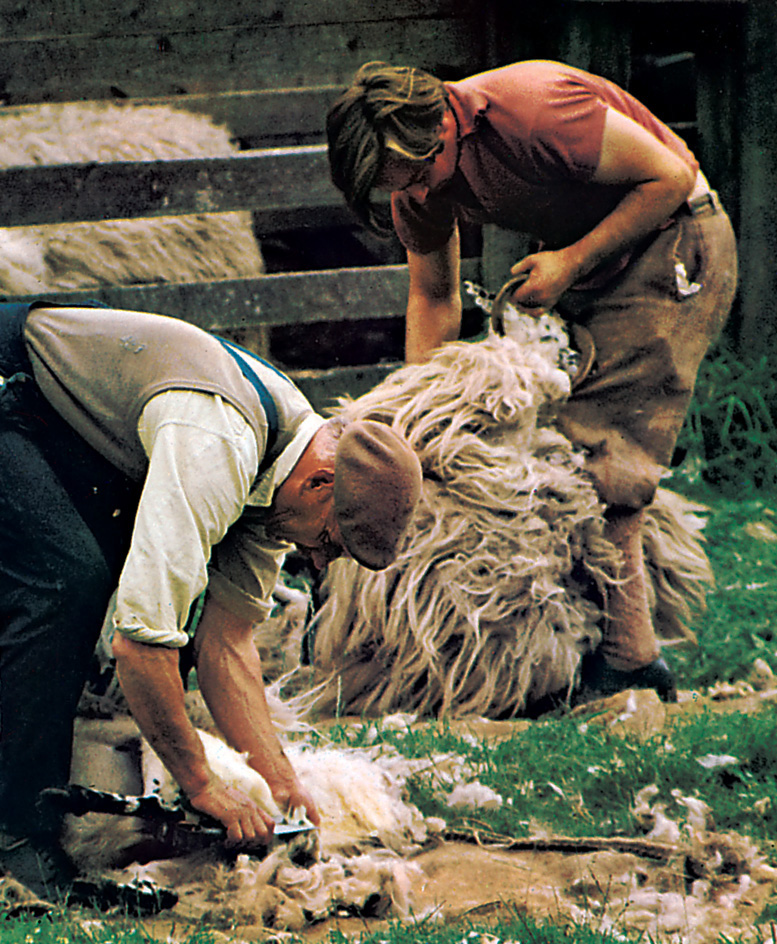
x,y
322,479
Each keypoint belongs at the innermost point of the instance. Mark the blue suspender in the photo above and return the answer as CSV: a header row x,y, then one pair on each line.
x,y
268,404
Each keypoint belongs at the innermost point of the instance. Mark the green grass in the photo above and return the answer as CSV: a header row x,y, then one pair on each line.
x,y
740,622
63,929
729,438
579,779
516,930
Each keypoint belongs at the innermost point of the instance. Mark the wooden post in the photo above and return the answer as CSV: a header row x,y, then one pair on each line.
x,y
758,208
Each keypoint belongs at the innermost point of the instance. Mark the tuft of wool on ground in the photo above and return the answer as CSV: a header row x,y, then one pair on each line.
x,y
502,579
698,895
377,856
75,256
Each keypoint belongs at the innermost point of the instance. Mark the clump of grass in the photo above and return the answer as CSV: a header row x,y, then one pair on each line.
x,y
739,624
518,929
579,779
64,927
730,437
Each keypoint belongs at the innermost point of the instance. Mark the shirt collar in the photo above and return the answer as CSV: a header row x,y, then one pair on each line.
x,y
467,104
266,485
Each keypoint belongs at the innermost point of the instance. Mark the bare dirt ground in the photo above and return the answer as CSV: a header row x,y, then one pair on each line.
x,y
638,886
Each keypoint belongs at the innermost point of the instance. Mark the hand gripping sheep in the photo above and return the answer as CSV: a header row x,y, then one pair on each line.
x,y
176,829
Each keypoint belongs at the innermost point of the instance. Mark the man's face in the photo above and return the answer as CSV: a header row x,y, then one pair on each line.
x,y
309,522
418,177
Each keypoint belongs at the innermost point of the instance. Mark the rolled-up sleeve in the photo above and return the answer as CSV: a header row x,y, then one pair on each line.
x,y
203,458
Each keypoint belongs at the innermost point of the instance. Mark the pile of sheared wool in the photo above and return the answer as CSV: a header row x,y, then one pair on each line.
x,y
501,580
360,864
696,898
357,862
74,256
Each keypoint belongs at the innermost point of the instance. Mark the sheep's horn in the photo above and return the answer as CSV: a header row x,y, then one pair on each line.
x,y
502,297
583,341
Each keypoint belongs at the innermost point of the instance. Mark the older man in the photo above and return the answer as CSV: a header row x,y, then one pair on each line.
x,y
137,449
631,244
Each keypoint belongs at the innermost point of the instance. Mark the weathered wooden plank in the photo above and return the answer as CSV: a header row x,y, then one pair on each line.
x,y
274,300
758,207
259,57
22,18
626,2
269,181
268,115
323,387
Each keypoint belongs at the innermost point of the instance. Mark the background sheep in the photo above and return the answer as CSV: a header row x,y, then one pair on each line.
x,y
75,256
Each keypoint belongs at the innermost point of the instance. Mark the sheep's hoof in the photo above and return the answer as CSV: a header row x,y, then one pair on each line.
x,y
600,680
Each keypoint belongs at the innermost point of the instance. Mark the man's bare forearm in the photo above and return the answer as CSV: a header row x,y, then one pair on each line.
x,y
434,301
641,211
151,682
430,325
229,672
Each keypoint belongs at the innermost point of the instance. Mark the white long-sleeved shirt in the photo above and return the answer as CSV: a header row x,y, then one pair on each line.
x,y
203,458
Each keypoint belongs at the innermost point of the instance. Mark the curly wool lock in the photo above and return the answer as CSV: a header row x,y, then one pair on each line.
x,y
502,579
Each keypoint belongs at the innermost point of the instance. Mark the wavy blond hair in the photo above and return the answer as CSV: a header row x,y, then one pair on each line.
x,y
402,102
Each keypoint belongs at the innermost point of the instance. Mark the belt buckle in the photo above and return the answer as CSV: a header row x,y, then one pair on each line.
x,y
697,205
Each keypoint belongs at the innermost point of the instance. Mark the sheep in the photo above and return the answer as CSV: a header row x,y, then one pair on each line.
x,y
67,257
502,579
359,859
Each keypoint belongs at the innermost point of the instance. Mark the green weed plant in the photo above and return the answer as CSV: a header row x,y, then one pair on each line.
x,y
730,434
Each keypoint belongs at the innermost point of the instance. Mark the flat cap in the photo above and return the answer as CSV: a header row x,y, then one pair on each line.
x,y
376,489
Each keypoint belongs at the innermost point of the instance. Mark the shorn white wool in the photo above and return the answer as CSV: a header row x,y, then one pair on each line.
x,y
229,766
361,797
73,256
502,579
357,859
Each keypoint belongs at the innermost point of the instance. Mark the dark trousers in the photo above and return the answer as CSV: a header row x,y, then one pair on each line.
x,y
65,523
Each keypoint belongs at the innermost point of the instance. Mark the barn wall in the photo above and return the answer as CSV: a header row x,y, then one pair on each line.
x,y
758,148
91,49
268,68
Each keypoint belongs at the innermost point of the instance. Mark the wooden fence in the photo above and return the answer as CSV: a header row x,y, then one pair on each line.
x,y
268,70
283,187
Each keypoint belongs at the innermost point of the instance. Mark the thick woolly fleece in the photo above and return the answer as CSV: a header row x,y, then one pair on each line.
x,y
501,582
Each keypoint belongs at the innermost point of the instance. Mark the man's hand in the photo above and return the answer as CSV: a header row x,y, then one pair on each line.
x,y
548,275
245,822
294,798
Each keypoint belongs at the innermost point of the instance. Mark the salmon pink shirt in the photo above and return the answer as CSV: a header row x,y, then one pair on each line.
x,y
529,138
